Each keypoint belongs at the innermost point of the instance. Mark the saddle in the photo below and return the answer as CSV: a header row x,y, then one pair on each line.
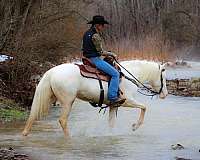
x,y
89,70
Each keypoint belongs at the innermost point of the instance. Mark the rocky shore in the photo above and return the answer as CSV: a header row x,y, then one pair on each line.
x,y
184,87
11,154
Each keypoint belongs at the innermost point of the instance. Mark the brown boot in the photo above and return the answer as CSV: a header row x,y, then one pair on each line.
x,y
116,103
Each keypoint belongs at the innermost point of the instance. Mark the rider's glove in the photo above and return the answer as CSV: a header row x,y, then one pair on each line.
x,y
109,53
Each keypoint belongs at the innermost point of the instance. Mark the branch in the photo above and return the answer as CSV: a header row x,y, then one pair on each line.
x,y
61,17
5,37
185,13
26,13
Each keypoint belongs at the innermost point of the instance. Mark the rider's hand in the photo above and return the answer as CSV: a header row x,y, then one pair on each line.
x,y
112,54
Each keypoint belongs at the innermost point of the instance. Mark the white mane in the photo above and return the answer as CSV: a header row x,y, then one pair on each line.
x,y
142,69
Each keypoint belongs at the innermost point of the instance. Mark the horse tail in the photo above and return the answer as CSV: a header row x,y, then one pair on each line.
x,y
42,98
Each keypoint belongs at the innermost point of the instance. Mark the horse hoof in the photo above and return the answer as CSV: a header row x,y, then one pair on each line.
x,y
134,127
24,133
177,146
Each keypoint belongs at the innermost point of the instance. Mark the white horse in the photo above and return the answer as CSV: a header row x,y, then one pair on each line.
x,y
64,83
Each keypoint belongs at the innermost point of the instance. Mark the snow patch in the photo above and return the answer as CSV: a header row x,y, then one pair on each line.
x,y
4,58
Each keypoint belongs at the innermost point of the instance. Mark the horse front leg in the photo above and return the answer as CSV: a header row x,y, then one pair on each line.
x,y
112,116
134,104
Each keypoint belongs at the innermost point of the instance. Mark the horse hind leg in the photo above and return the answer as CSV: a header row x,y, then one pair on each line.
x,y
28,126
32,117
64,116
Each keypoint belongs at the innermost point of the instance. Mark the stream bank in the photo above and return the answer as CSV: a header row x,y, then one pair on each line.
x,y
11,111
184,87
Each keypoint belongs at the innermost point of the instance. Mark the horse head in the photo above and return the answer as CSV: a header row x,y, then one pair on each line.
x,y
159,83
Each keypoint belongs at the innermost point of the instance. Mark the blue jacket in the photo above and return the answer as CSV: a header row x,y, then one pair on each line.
x,y
89,49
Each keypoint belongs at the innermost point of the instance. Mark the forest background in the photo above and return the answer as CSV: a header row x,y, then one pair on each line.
x,y
39,34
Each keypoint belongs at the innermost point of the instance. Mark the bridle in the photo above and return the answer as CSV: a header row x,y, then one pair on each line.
x,y
137,82
161,80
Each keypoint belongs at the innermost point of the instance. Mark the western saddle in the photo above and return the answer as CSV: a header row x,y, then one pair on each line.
x,y
89,70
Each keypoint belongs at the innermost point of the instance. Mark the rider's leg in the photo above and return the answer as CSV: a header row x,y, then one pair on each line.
x,y
110,70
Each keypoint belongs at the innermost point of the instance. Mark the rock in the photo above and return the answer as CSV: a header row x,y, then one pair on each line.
x,y
180,158
11,154
170,64
178,64
195,79
35,78
177,146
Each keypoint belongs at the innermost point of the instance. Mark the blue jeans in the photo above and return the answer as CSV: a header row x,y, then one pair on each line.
x,y
110,70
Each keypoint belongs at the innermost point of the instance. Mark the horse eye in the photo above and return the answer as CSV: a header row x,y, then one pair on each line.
x,y
163,70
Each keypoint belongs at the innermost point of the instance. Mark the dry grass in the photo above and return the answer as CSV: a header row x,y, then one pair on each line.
x,y
150,48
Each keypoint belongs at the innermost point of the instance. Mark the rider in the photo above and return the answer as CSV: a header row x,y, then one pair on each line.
x,y
92,49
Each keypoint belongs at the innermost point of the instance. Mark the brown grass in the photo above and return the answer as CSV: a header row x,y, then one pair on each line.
x,y
150,48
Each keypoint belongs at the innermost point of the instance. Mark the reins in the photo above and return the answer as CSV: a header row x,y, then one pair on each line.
x,y
135,80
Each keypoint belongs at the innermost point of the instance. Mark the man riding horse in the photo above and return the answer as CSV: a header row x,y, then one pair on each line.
x,y
92,49
56,86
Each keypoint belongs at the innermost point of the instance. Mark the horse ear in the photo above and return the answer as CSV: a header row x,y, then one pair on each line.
x,y
165,65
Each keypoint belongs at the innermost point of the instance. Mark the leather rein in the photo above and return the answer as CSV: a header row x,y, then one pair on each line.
x,y
136,81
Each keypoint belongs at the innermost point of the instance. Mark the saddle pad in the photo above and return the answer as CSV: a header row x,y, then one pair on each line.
x,y
90,72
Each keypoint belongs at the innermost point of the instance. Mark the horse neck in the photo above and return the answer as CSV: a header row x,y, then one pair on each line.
x,y
143,70
149,72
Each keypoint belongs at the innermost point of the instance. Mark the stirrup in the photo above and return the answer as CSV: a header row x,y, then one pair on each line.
x,y
118,102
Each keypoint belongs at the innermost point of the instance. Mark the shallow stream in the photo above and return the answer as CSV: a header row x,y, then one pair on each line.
x,y
170,121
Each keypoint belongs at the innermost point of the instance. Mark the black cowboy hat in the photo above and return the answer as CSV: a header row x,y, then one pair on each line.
x,y
98,20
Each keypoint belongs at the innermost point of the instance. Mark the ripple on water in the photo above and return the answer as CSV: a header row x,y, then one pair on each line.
x,y
170,121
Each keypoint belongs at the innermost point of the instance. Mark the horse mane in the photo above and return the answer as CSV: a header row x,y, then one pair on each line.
x,y
142,69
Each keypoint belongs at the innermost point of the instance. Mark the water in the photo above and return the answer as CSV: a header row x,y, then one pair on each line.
x,y
184,72
170,121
